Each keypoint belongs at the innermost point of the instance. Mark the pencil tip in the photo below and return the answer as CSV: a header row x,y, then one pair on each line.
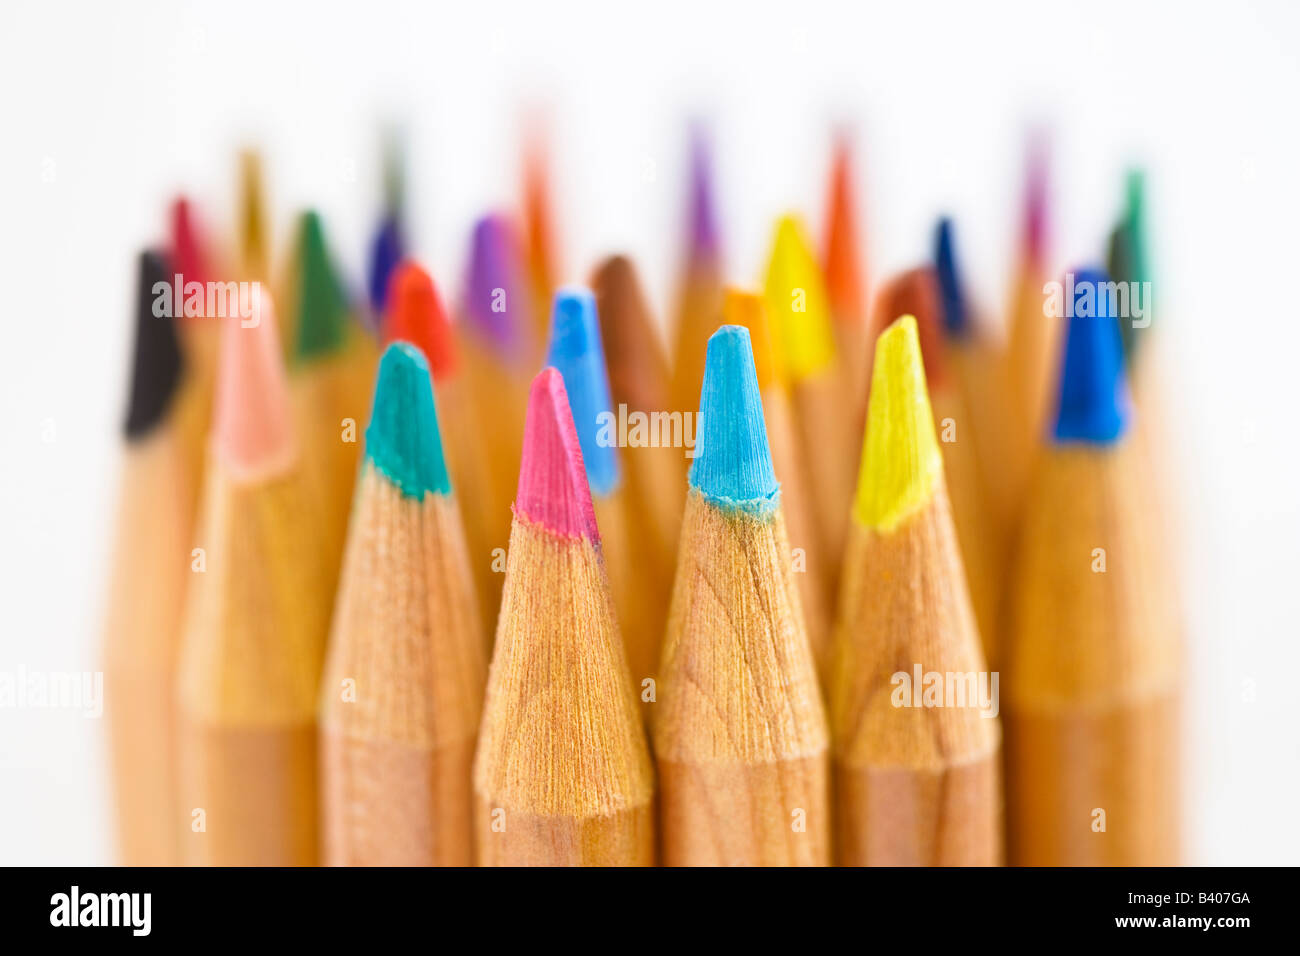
x,y
251,422
743,308
252,214
733,464
900,455
553,489
497,299
415,314
187,252
402,440
322,304
575,351
156,367
956,321
386,252
796,302
1094,403
1034,236
842,262
916,293
702,211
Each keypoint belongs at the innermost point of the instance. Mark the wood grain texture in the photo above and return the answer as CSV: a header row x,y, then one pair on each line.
x,y
562,776
1093,665
396,753
151,568
913,785
740,733
830,463
255,628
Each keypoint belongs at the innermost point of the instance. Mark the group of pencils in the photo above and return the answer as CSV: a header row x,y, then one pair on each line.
x,y
519,584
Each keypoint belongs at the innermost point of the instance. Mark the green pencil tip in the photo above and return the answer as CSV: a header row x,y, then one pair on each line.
x,y
322,303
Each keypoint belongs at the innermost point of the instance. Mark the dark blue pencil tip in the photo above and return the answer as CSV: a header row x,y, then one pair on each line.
x,y
402,440
576,351
1094,403
956,322
733,464
386,251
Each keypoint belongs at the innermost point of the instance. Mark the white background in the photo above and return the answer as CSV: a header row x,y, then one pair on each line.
x,y
106,110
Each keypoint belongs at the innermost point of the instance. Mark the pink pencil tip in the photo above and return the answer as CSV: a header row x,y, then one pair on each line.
x,y
552,479
251,425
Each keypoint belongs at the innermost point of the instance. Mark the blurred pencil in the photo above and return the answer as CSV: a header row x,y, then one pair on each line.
x,y
415,314
145,600
1092,659
699,292
804,348
916,778
406,665
501,348
575,352
916,293
639,382
562,775
254,239
846,285
740,733
255,625
332,373
539,224
808,557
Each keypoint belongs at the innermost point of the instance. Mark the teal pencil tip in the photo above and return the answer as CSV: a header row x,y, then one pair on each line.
x,y
402,440
733,464
576,351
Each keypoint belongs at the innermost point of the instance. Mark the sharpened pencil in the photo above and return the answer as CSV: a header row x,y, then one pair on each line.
x,y
255,625
842,260
404,676
562,775
1093,655
916,774
740,734
146,598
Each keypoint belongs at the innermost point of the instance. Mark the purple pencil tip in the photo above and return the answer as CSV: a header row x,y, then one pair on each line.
x,y
497,302
703,211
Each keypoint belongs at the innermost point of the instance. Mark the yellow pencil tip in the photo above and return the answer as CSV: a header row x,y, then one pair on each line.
x,y
797,304
900,453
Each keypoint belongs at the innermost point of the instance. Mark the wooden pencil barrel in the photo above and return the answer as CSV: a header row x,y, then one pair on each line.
x,y
519,838
412,780
244,779
899,816
773,814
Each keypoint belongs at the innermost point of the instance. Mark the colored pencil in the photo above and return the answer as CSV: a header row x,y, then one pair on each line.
x,y
255,626
388,245
804,346
254,238
1093,659
539,224
1032,347
639,382
407,662
915,784
916,292
699,292
575,351
740,734
562,775
499,342
332,374
842,260
146,597
415,314
807,555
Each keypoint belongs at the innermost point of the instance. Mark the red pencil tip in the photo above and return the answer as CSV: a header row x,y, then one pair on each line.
x,y
415,314
251,425
187,253
552,479
916,292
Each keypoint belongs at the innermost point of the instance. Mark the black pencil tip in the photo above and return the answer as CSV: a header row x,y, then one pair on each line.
x,y
156,369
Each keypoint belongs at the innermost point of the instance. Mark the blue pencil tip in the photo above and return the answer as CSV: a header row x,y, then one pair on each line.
x,y
1094,403
386,251
402,440
733,464
955,320
576,351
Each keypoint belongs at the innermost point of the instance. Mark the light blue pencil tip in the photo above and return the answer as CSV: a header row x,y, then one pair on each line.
x,y
733,464
1094,402
402,440
576,351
